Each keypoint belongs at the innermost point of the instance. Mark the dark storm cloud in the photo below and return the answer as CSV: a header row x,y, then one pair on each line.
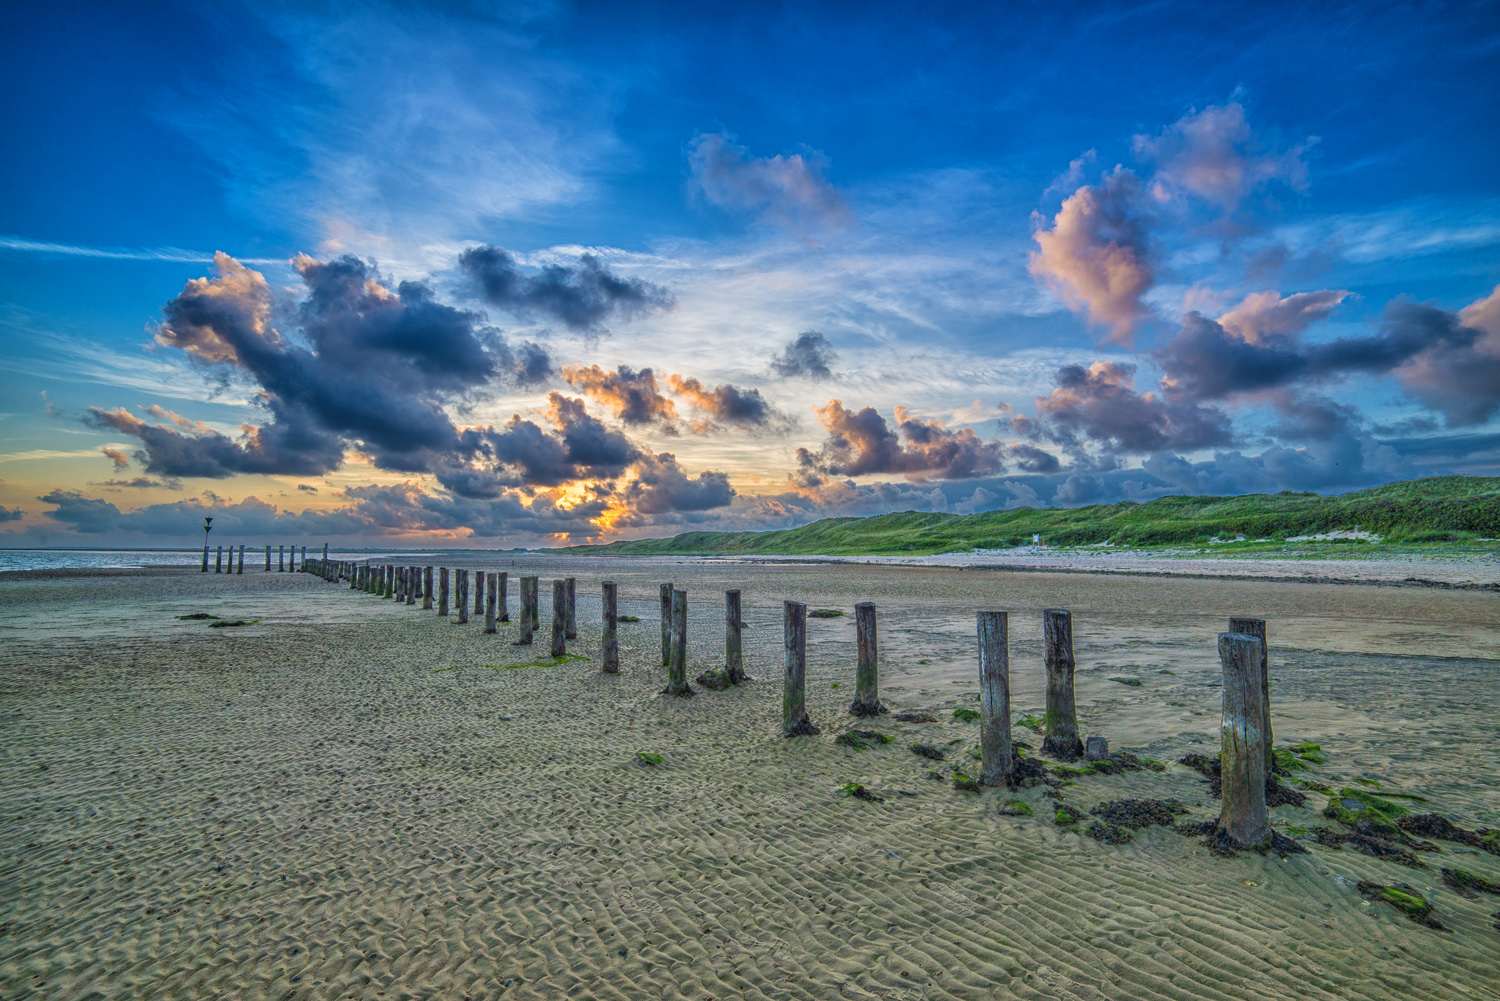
x,y
581,298
807,356
861,443
1450,361
744,408
661,487
633,395
1099,404
10,514
359,366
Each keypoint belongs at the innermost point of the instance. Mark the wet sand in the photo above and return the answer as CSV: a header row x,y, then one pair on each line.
x,y
345,800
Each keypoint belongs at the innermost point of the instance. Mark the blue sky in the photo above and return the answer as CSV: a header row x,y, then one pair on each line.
x,y
1034,255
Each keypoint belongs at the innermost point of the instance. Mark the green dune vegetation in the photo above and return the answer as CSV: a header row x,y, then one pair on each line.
x,y
1449,512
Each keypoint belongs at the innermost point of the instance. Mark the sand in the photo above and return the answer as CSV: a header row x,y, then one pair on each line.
x,y
345,801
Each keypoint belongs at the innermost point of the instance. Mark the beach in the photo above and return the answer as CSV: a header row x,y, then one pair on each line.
x,y
351,798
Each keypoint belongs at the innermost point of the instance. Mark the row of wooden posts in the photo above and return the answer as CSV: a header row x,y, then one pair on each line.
x,y
1245,733
282,563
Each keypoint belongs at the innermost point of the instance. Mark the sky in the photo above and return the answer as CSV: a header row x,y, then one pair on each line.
x,y
534,274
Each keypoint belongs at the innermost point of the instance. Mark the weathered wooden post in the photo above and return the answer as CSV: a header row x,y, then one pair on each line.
x,y
463,595
994,699
1242,757
398,591
528,607
1061,719
572,622
867,674
478,592
1257,628
413,584
219,560
325,552
489,605
304,558
677,683
242,559
390,581
559,618
611,622
794,718
442,608
734,625
268,557
502,602
427,589
666,625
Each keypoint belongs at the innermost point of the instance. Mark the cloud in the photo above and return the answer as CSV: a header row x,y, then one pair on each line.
x,y
138,483
807,356
1099,404
1096,255
633,395
661,487
10,513
1214,155
1449,361
119,458
1460,375
744,408
788,190
583,297
306,488
861,443
359,366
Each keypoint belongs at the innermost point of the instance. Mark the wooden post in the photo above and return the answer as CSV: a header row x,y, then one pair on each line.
x,y
304,557
524,637
867,674
534,602
677,683
559,618
442,608
666,625
205,553
528,608
219,560
489,605
242,559
611,640
734,625
268,557
281,559
413,584
463,595
427,589
1257,628
572,621
1242,757
1061,720
479,591
502,603
794,718
400,589
390,581
994,699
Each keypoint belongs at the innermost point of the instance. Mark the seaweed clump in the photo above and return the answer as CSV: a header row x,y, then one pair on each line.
x,y
1015,808
1433,825
1221,843
196,616
715,680
1368,841
915,718
966,715
1117,763
1276,793
1109,834
1467,884
1066,816
964,783
1404,898
860,792
1139,813
928,751
825,613
862,739
648,758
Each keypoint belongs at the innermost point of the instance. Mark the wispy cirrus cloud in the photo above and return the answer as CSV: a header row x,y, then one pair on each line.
x,y
21,245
